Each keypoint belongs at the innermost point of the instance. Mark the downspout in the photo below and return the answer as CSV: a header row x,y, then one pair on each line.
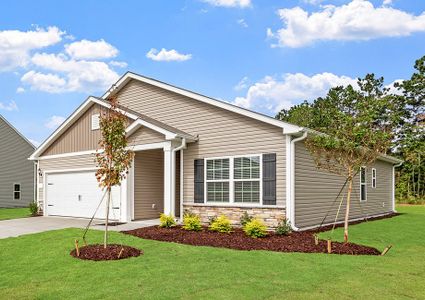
x,y
173,181
393,196
292,179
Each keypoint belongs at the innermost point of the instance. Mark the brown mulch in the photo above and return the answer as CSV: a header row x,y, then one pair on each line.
x,y
301,241
97,252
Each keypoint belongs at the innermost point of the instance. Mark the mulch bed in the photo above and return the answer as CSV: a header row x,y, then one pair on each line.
x,y
302,241
97,252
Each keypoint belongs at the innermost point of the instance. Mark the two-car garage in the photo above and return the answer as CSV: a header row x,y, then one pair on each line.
x,y
77,194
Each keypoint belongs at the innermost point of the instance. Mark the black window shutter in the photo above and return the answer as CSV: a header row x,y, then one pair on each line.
x,y
199,181
269,179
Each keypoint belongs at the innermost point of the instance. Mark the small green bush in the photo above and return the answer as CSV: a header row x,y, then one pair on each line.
x,y
33,208
221,224
192,222
283,227
255,228
245,218
166,221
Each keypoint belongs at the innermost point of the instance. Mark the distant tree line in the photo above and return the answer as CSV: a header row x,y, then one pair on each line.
x,y
390,120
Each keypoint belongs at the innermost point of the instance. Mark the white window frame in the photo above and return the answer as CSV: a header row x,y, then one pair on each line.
x,y
92,121
365,183
232,181
20,191
373,181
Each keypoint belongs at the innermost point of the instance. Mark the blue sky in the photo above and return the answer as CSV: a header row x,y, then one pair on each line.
x,y
262,55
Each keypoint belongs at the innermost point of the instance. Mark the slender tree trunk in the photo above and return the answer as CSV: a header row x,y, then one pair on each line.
x,y
105,238
347,209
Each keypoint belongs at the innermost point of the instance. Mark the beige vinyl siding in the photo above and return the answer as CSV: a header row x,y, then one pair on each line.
x,y
315,191
221,132
15,167
148,184
63,163
145,135
78,137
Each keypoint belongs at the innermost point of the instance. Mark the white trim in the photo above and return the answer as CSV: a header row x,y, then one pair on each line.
x,y
142,147
130,211
237,204
95,122
224,105
139,123
168,177
232,180
365,183
68,154
288,176
373,182
181,184
68,170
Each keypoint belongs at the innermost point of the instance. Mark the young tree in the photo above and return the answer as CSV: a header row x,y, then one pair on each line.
x,y
353,127
113,159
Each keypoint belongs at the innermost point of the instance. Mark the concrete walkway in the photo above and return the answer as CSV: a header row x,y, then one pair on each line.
x,y
17,227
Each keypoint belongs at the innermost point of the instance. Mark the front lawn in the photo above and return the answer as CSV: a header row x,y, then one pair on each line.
x,y
14,213
39,266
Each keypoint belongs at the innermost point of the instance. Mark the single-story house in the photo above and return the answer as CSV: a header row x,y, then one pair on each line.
x,y
17,173
194,153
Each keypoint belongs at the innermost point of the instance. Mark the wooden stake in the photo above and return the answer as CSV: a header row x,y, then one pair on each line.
x,y
386,250
316,239
119,255
329,246
77,249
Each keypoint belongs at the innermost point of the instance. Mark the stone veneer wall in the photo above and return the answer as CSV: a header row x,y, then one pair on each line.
x,y
270,215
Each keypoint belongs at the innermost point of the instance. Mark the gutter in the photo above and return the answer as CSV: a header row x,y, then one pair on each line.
x,y
290,173
173,184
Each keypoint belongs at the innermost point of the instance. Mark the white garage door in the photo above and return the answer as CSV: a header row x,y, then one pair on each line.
x,y
77,194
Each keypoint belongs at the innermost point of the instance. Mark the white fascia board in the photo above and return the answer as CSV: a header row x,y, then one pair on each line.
x,y
139,123
224,105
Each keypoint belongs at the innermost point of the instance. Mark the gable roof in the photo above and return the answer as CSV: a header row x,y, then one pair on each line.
x,y
16,130
287,127
139,120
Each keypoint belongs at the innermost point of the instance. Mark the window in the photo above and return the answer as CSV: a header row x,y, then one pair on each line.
x,y
95,122
233,179
247,179
374,178
17,191
363,189
218,180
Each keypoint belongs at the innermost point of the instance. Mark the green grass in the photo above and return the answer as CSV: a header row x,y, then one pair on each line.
x,y
38,266
14,213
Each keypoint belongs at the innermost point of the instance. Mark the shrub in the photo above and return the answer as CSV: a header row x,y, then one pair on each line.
x,y
221,224
245,218
255,228
192,222
166,221
33,208
283,227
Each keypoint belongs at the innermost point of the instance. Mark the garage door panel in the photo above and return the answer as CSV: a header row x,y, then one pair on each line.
x,y
77,194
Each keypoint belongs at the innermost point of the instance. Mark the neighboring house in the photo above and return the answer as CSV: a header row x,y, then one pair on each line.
x,y
17,173
202,155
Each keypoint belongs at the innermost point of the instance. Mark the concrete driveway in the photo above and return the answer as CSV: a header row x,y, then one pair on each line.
x,y
17,227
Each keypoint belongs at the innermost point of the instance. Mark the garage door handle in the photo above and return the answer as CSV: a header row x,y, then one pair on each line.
x,y
79,197
50,205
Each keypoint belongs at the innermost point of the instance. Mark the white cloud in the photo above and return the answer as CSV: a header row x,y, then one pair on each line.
x,y
242,84
68,75
11,106
242,23
34,142
357,20
119,64
229,3
16,46
167,55
54,121
86,49
20,90
270,95
387,2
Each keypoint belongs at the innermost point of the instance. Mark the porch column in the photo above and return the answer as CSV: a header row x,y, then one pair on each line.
x,y
168,179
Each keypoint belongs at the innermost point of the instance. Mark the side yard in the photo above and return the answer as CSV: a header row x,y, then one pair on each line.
x,y
14,213
39,266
